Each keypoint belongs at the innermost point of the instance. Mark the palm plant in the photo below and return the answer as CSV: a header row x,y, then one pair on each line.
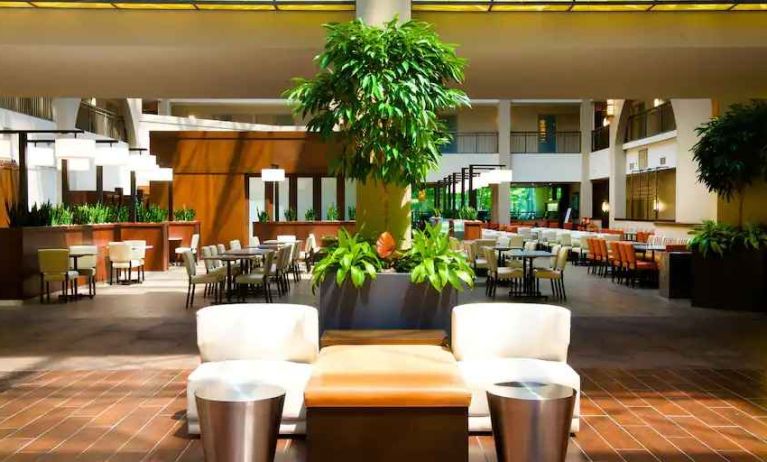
x,y
379,92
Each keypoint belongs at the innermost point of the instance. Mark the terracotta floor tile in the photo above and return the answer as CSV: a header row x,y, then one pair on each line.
x,y
749,442
615,435
707,435
697,450
750,424
658,445
594,445
664,425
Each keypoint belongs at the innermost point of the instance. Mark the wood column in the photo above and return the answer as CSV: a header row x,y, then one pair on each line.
x,y
293,194
341,197
317,197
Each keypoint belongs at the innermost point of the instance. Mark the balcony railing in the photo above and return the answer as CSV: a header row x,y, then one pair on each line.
x,y
96,119
36,107
545,143
472,143
651,122
600,138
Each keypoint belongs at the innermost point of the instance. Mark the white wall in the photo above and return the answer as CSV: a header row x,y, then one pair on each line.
x,y
565,168
662,151
599,164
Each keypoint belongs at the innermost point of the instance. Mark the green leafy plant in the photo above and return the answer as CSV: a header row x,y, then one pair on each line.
x,y
379,93
61,215
732,151
184,214
467,213
309,215
352,258
290,214
431,259
351,212
119,214
263,216
87,214
720,238
437,212
332,213
19,216
151,213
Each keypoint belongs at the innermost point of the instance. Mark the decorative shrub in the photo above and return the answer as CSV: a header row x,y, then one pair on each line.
x,y
290,214
720,238
332,214
184,214
310,215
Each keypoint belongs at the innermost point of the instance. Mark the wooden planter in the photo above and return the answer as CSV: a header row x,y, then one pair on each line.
x,y
737,281
19,272
390,301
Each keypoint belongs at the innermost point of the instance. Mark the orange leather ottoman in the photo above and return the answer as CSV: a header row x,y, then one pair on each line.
x,y
386,403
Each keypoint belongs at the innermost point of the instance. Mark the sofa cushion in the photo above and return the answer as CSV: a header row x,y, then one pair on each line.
x,y
258,331
483,373
293,377
386,376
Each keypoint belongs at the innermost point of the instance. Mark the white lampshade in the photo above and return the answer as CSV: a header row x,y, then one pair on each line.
x,y
496,176
75,148
78,164
111,155
273,174
6,149
143,177
163,174
40,156
142,162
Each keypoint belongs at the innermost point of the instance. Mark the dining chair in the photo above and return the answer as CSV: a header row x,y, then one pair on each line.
x,y
286,238
54,267
294,260
310,248
497,273
86,265
120,259
216,280
138,254
254,241
193,244
616,261
255,278
556,274
235,244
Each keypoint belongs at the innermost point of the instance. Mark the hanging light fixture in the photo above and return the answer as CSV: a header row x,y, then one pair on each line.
x,y
111,155
78,164
41,156
273,174
75,148
6,150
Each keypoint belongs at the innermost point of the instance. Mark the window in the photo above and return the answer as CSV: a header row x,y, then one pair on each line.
x,y
651,195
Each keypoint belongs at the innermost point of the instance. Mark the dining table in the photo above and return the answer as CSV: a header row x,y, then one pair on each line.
x,y
237,255
645,247
529,288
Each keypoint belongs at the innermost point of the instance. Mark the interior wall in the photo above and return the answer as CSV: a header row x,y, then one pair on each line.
x,y
524,118
9,178
754,206
210,171
478,119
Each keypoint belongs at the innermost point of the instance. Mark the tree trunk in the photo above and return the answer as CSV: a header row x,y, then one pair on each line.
x,y
383,208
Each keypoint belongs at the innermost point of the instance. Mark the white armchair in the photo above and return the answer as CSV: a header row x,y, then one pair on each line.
x,y
274,344
500,342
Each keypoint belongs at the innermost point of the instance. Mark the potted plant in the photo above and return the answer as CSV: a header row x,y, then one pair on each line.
x,y
309,215
366,286
729,261
379,93
332,214
729,266
290,214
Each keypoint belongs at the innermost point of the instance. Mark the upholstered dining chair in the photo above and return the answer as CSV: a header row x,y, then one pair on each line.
x,y
235,244
255,278
86,264
120,259
497,273
193,244
556,274
54,267
215,280
138,254
254,241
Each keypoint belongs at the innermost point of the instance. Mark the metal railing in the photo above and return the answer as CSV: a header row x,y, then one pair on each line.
x,y
472,143
35,107
96,119
543,143
659,119
600,138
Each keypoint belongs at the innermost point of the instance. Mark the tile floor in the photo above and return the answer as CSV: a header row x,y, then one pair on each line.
x,y
629,415
103,379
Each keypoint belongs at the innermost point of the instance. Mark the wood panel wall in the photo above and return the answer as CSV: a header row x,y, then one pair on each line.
x,y
9,179
210,171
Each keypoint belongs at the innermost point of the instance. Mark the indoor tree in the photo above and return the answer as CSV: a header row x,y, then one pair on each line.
x,y
732,151
378,93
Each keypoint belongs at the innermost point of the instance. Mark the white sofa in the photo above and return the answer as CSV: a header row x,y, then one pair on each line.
x,y
257,343
500,342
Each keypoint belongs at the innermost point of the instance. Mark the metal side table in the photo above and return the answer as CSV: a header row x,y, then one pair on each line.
x,y
239,423
531,421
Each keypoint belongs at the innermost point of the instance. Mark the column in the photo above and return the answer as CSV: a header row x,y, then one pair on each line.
x,y
65,116
381,11
617,189
693,201
163,107
587,125
501,203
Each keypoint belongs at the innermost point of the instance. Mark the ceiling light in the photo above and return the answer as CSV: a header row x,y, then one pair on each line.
x,y
112,155
41,156
75,148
